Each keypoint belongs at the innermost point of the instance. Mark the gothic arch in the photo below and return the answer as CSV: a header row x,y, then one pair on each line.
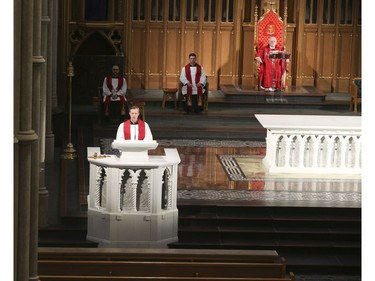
x,y
93,54
96,42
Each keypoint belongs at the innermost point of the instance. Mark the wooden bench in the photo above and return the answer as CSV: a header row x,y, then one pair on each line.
x,y
122,254
161,269
101,278
356,92
160,264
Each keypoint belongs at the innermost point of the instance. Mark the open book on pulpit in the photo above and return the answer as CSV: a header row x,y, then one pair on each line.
x,y
134,149
279,55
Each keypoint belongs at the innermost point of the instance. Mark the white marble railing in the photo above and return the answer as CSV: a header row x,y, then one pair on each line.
x,y
312,144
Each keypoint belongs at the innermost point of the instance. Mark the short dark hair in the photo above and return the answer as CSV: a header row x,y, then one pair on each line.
x,y
134,107
192,55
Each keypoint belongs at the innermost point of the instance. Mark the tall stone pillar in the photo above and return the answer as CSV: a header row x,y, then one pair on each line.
x,y
37,124
50,12
43,192
25,139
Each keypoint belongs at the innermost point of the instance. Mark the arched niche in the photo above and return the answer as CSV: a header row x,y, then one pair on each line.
x,y
93,55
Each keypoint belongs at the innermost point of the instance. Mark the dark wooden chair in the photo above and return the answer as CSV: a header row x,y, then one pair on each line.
x,y
115,108
356,92
169,94
181,98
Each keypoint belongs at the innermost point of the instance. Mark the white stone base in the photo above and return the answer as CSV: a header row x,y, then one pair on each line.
x,y
132,230
138,244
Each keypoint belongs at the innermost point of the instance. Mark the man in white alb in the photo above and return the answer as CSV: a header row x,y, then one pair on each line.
x,y
193,79
114,89
134,128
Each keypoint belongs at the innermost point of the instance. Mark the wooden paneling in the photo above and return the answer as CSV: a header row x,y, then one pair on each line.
x,y
173,57
248,58
156,51
208,48
345,53
327,55
308,55
155,81
190,43
357,57
173,47
138,59
289,48
344,61
226,52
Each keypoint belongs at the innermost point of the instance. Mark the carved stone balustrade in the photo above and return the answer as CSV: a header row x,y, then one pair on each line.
x,y
313,144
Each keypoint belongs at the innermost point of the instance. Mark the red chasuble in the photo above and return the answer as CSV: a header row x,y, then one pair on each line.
x,y
141,130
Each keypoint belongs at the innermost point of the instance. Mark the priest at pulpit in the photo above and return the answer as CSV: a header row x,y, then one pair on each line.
x,y
134,128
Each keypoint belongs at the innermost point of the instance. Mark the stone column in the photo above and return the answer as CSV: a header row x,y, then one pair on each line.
x,y
357,150
48,49
25,139
37,124
301,150
43,192
315,143
288,147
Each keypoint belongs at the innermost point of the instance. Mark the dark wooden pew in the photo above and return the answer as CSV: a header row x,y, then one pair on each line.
x,y
116,278
155,268
160,264
121,254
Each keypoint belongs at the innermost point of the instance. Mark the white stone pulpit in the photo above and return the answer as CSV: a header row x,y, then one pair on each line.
x,y
132,200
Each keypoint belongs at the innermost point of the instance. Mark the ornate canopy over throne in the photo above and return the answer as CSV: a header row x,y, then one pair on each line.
x,y
270,25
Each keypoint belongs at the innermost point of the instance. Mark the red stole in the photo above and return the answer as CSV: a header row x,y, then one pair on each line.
x,y
119,85
197,78
141,130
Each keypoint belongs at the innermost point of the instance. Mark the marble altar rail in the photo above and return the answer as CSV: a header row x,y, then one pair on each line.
x,y
313,144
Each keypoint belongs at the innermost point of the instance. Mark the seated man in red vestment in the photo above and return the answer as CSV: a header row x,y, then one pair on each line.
x,y
114,89
271,69
193,79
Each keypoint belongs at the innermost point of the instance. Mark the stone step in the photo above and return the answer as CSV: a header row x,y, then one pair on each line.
x,y
325,240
